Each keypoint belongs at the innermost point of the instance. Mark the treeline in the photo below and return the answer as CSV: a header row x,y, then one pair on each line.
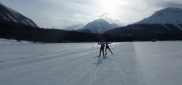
x,y
139,32
12,30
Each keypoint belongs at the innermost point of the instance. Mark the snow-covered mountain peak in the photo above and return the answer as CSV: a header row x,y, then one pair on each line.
x,y
8,14
100,21
169,15
99,26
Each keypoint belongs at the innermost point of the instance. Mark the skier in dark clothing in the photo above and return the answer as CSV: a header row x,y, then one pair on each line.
x,y
101,48
107,47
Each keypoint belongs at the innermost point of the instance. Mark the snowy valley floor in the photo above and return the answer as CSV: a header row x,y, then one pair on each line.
x,y
133,63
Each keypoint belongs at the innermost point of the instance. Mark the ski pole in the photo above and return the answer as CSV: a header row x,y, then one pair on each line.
x,y
97,49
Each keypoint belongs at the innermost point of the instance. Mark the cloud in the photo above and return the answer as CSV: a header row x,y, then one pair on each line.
x,y
169,4
84,19
62,13
102,14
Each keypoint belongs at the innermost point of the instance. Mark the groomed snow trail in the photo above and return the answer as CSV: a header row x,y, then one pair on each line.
x,y
74,67
160,63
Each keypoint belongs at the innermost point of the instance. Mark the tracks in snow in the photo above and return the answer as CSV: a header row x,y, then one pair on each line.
x,y
74,67
23,65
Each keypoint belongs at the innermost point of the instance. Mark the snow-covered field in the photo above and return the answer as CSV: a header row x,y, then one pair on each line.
x,y
133,63
160,62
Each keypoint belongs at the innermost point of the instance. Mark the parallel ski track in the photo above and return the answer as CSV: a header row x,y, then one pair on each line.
x,y
40,61
67,68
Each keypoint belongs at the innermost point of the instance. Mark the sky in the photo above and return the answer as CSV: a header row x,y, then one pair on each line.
x,y
63,13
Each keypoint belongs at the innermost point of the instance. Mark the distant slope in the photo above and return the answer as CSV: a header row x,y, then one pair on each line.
x,y
9,14
165,16
98,26
163,23
169,15
144,29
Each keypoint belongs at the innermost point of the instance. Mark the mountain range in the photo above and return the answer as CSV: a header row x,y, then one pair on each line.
x,y
169,15
97,26
8,14
164,22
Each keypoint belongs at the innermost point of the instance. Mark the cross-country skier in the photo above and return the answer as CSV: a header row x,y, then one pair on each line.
x,y
107,47
101,48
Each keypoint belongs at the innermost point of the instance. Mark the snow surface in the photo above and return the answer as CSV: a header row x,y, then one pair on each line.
x,y
160,62
11,41
12,18
133,63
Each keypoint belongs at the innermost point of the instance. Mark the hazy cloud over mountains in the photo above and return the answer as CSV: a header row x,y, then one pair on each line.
x,y
63,13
